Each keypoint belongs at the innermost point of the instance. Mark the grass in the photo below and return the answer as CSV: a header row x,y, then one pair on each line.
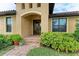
x,y
43,51
5,50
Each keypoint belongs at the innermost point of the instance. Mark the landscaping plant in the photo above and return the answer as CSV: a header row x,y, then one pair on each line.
x,y
60,41
16,39
4,42
76,33
8,40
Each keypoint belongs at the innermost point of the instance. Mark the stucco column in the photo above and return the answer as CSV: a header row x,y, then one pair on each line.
x,y
18,24
44,23
44,17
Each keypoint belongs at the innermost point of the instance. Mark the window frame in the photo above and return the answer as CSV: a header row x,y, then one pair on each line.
x,y
59,24
10,24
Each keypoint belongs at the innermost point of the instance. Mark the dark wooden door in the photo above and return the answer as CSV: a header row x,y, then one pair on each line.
x,y
36,27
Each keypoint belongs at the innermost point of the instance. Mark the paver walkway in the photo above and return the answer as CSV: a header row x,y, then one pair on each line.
x,y
20,50
32,42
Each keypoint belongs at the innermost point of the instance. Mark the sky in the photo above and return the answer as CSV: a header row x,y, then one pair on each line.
x,y
59,7
64,7
7,6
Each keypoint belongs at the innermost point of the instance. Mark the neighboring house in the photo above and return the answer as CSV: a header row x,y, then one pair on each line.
x,y
35,18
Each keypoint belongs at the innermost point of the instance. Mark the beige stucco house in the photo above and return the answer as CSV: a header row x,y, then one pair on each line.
x,y
34,18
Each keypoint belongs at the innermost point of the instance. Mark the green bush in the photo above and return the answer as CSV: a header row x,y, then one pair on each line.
x,y
16,37
7,40
60,41
1,36
76,33
1,42
4,42
46,38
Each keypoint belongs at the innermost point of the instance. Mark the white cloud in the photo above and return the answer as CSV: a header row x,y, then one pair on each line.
x,y
63,7
74,7
7,6
59,7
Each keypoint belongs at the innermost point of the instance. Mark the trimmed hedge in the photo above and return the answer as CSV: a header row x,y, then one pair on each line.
x,y
60,41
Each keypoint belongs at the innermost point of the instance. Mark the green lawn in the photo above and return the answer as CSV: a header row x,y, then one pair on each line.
x,y
4,50
43,51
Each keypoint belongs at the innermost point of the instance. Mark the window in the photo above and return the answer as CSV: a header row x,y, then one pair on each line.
x,y
8,24
59,25
38,4
30,5
23,6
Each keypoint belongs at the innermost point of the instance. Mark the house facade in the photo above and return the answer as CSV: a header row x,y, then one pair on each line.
x,y
34,18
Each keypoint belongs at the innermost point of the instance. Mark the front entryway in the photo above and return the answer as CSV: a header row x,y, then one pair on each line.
x,y
36,27
30,24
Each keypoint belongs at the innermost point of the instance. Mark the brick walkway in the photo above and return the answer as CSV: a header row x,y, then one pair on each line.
x,y
31,42
20,50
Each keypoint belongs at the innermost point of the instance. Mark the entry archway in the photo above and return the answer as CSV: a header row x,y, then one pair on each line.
x,y
30,24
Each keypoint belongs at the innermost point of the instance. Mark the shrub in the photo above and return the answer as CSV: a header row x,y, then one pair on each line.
x,y
16,37
1,42
1,36
46,38
7,40
60,41
76,33
4,42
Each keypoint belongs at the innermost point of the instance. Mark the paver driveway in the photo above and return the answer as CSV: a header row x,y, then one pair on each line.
x,y
20,50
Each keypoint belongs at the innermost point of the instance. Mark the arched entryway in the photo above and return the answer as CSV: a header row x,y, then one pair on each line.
x,y
31,24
